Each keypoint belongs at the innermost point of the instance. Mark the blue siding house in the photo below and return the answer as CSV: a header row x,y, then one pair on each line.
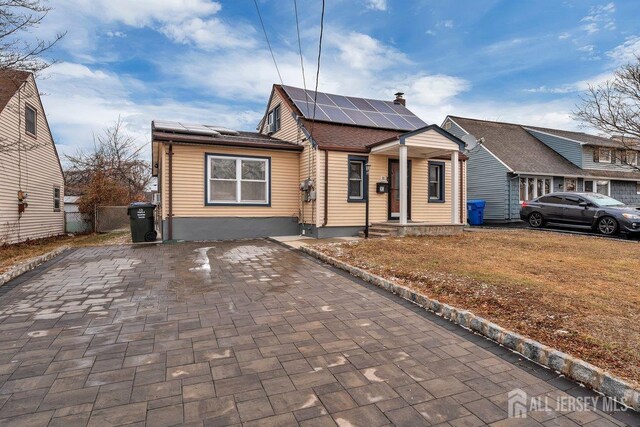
x,y
512,163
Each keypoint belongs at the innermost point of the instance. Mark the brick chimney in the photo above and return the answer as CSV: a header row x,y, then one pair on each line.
x,y
399,99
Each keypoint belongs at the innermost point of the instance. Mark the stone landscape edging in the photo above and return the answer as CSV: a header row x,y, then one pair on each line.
x,y
30,264
571,367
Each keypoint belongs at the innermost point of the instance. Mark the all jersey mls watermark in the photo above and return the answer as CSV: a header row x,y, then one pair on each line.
x,y
520,404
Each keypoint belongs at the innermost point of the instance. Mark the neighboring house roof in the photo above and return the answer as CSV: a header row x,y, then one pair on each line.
x,y
517,148
71,199
10,81
332,136
581,137
177,133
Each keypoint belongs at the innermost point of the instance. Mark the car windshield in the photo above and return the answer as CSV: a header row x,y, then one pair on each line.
x,y
602,200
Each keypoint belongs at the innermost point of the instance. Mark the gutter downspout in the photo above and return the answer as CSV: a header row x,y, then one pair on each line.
x,y
170,213
326,188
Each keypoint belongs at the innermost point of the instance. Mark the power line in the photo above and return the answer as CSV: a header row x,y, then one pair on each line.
x,y
304,79
315,95
264,30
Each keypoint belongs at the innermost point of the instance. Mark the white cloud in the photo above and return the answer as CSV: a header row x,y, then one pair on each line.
x,y
376,4
209,33
445,24
119,34
361,51
599,17
626,52
81,101
564,36
578,86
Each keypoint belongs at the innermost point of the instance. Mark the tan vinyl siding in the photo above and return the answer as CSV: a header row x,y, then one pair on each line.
x,y
189,183
432,139
344,213
289,130
36,171
308,165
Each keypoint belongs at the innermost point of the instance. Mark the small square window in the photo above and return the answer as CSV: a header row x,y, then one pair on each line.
x,y
604,155
30,120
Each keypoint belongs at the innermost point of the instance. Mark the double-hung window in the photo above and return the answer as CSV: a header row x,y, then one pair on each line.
x,y
273,120
238,180
436,182
632,158
56,199
602,155
30,120
357,179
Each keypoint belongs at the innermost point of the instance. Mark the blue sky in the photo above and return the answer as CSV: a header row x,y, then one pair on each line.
x,y
207,62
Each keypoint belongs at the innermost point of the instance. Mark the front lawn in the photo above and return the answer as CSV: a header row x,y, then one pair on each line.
x,y
19,252
578,294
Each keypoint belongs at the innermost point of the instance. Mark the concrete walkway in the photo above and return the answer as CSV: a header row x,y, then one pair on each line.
x,y
246,332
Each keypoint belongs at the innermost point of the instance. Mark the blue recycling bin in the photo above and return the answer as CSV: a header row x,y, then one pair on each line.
x,y
475,211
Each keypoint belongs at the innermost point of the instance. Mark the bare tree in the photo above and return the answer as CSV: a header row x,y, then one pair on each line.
x,y
115,160
614,108
17,18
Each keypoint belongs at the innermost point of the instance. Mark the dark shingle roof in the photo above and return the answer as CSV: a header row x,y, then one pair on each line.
x,y
10,81
581,137
345,137
517,148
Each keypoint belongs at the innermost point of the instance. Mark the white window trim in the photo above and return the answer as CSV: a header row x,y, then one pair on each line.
x,y
362,172
439,175
564,185
535,187
601,150
595,187
635,156
239,181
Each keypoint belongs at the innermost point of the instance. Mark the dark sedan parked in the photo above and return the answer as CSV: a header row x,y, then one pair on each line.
x,y
602,213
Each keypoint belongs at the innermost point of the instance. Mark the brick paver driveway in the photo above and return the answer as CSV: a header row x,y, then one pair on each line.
x,y
243,332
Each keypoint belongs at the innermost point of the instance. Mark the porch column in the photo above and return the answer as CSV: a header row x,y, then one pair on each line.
x,y
455,186
403,184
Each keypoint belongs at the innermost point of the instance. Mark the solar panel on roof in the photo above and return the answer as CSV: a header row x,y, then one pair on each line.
x,y
380,120
358,117
355,111
361,104
336,114
341,101
322,98
399,121
415,121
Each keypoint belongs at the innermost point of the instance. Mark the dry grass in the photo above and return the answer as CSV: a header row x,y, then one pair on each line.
x,y
576,293
13,254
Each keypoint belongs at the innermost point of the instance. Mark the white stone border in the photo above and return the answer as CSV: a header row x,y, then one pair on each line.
x,y
30,264
573,368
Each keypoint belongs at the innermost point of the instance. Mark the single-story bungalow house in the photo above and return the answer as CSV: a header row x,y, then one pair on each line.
x,y
297,175
512,163
32,190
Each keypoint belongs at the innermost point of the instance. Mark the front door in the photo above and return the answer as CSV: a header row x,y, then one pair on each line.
x,y
394,189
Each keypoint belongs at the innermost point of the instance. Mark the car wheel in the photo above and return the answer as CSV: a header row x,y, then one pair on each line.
x,y
536,220
607,226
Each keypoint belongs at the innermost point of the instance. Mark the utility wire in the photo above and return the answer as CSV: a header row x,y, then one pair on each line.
x,y
264,30
315,94
304,79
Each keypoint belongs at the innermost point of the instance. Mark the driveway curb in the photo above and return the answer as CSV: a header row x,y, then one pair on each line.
x,y
576,369
30,264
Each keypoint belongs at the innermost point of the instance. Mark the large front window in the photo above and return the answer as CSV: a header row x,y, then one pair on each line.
x,y
532,187
237,180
